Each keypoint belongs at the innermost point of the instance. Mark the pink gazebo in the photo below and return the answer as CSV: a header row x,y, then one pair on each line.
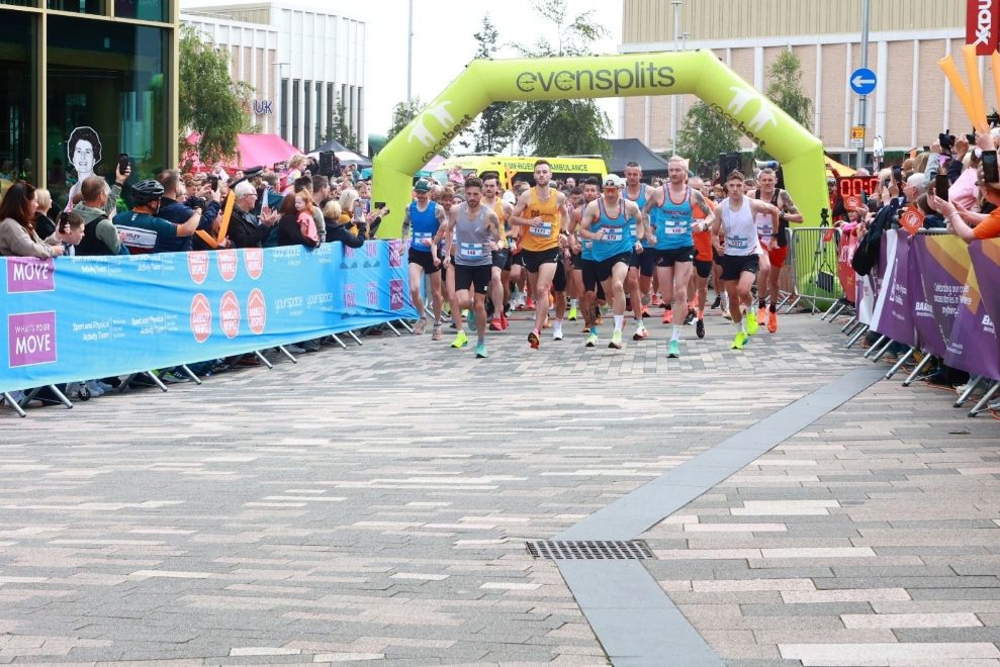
x,y
254,150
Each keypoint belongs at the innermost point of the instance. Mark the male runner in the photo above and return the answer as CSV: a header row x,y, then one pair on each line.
x,y
735,217
499,285
425,220
702,257
643,263
541,211
584,267
673,209
476,232
774,242
613,245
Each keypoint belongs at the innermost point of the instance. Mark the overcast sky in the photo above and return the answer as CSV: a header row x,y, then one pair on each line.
x,y
443,44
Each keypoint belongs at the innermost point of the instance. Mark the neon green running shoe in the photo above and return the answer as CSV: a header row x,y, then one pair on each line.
x,y
572,314
751,322
592,340
739,341
616,340
461,340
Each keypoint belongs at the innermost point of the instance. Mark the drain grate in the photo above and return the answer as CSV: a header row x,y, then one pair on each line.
x,y
591,550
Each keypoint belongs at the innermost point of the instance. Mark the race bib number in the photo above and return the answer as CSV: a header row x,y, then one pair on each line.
x,y
543,229
472,250
676,230
611,234
737,242
422,239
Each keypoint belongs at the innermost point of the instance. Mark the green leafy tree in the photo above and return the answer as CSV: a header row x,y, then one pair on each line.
x,y
402,114
492,131
340,128
704,134
211,103
562,126
784,88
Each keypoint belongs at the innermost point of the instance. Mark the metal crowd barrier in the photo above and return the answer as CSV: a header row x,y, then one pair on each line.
x,y
813,252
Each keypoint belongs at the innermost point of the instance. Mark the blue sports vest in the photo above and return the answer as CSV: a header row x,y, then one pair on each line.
x,y
423,226
673,223
617,239
633,225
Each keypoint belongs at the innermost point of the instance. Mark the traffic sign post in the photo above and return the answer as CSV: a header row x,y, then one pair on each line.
x,y
858,136
863,80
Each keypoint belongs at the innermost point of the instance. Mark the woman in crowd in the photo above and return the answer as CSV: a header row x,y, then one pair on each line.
x,y
335,229
18,237
289,229
44,226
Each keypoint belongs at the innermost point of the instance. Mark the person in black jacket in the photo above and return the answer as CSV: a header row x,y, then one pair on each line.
x,y
336,230
246,230
289,231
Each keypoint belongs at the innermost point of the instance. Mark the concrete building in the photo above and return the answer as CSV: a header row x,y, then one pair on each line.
x,y
301,60
912,103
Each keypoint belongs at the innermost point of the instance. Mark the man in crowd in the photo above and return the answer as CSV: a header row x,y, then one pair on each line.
x,y
499,290
100,236
176,209
246,230
541,211
584,266
643,263
144,230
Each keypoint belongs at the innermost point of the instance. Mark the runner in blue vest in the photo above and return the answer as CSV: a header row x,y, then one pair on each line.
x,y
613,245
425,221
643,264
672,208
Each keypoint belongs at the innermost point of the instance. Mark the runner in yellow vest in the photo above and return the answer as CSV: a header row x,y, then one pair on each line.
x,y
541,211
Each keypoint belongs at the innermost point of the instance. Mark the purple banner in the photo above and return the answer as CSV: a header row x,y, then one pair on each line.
x,y
894,308
929,337
986,260
973,346
28,274
944,266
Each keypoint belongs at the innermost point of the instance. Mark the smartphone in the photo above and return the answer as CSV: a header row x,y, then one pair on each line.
x,y
379,205
214,182
941,185
991,172
897,173
885,182
123,162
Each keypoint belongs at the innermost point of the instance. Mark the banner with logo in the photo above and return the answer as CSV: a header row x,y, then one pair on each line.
x,y
894,308
985,257
973,344
89,317
929,336
982,25
944,266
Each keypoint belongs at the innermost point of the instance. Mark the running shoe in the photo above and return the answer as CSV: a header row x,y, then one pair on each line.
x,y
548,323
640,331
751,322
668,316
496,324
762,315
557,332
418,329
699,328
481,351
592,340
471,319
674,351
717,302
727,315
598,317
655,300
772,321
437,335
461,340
690,317
572,314
739,341
534,340
529,303
503,322
645,312
616,340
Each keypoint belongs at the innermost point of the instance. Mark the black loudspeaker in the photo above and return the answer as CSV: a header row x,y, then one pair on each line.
x,y
728,162
326,163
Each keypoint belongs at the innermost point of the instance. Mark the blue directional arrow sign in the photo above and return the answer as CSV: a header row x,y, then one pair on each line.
x,y
863,81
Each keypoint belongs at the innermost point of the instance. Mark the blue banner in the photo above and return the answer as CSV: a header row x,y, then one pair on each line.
x,y
81,318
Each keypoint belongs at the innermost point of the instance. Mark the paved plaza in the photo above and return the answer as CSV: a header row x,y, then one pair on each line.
x,y
371,506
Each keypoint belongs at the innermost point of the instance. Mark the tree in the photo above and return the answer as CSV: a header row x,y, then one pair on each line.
x,y
340,128
492,131
402,114
704,134
562,126
211,103
784,88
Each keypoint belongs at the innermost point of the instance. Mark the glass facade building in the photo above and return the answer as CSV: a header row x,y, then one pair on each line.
x,y
83,81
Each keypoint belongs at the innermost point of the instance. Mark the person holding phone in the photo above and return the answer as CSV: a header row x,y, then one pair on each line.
x,y
178,208
965,224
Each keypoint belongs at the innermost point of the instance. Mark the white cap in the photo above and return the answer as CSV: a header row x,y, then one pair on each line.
x,y
613,181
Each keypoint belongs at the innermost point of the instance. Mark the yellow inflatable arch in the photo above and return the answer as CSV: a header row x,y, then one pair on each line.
x,y
695,72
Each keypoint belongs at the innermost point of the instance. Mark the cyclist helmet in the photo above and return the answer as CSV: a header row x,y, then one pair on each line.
x,y
144,192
